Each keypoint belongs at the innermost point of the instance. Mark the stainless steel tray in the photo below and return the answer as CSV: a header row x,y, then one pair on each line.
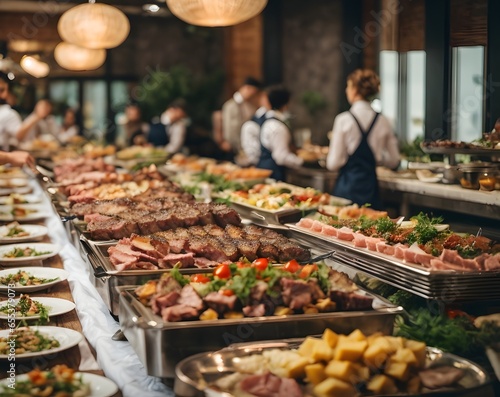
x,y
195,374
429,284
161,345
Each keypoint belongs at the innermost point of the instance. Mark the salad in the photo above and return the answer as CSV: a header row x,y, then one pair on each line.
x,y
27,307
24,252
27,340
58,381
24,279
14,229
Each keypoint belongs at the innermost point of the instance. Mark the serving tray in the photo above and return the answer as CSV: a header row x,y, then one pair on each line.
x,y
444,285
161,345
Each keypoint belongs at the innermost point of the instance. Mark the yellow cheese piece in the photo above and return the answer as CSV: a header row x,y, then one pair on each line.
x,y
209,314
350,350
356,335
419,349
400,371
322,351
343,370
282,311
334,387
296,368
330,337
326,305
395,342
381,384
306,348
405,355
376,354
315,373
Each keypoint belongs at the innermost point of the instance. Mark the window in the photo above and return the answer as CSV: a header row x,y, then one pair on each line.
x,y
467,93
415,95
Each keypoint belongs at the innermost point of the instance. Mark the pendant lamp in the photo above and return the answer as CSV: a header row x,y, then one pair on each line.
x,y
34,66
215,12
73,57
94,26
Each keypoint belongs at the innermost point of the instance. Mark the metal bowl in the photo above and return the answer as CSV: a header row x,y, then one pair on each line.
x,y
478,178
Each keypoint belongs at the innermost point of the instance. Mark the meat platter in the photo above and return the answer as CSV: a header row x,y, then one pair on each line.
x,y
198,375
161,345
445,285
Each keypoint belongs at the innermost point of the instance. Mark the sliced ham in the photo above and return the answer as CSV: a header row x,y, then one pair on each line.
x,y
317,226
305,223
451,256
492,263
329,231
359,240
424,259
345,233
371,243
399,250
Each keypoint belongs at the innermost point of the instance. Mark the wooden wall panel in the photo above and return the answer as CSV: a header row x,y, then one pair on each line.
x,y
468,22
412,25
243,49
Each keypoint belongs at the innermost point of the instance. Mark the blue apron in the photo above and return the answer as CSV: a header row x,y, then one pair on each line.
x,y
158,134
266,160
357,180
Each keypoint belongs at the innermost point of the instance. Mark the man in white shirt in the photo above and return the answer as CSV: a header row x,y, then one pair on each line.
x,y
235,112
275,137
171,133
250,131
10,121
40,124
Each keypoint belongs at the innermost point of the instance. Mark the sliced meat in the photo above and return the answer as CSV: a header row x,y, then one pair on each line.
x,y
255,310
179,313
203,263
329,231
295,293
219,302
345,233
159,302
258,291
435,378
170,260
224,215
492,263
269,385
248,248
359,240
189,297
351,301
305,223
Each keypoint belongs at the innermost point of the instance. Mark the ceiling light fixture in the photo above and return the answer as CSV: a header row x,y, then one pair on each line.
x,y
34,66
73,57
215,12
94,26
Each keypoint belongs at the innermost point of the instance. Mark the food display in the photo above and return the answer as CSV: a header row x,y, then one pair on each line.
x,y
334,364
203,246
14,229
57,381
423,241
279,196
252,289
22,252
141,152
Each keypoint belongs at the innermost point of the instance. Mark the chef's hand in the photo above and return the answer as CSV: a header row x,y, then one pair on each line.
x,y
18,158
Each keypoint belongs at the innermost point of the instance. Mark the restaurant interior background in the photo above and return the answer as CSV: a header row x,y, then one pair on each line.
x,y
438,77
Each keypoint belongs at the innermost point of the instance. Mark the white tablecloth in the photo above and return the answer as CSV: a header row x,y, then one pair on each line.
x,y
117,359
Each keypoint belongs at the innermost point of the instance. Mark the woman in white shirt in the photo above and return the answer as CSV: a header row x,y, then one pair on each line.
x,y
361,140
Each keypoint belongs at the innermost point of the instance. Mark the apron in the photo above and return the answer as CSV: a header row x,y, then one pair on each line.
x,y
266,160
357,180
158,134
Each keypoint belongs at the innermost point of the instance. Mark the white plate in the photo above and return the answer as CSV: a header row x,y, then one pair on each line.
x,y
38,271
30,198
66,337
40,247
55,306
40,211
5,191
36,232
13,182
99,385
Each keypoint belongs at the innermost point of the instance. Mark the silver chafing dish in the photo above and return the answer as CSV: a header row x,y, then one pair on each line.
x,y
161,345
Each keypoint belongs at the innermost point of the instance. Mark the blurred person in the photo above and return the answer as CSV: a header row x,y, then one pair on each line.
x,y
135,129
40,124
361,140
250,142
275,136
70,127
17,158
10,121
235,112
171,131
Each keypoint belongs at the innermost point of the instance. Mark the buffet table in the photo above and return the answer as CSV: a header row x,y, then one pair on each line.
x,y
116,359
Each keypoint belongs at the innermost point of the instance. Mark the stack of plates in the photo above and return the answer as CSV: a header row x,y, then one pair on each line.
x,y
447,286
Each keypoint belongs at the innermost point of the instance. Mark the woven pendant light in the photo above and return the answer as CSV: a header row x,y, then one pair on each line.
x,y
73,57
94,26
34,66
215,12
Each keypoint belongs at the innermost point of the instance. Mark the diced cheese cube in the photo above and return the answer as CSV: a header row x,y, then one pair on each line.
x,y
381,384
330,337
350,350
315,373
343,370
400,371
356,335
306,348
334,387
376,354
405,355
296,368
419,349
322,351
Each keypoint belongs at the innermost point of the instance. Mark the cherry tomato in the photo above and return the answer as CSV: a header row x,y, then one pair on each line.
x,y
226,292
307,270
222,271
292,266
241,265
200,278
260,264
452,313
